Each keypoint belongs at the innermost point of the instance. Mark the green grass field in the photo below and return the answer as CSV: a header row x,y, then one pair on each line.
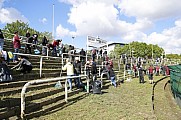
x,y
129,101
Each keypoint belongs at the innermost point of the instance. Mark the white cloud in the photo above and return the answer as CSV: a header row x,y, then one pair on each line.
x,y
43,20
103,18
8,15
62,32
152,9
169,39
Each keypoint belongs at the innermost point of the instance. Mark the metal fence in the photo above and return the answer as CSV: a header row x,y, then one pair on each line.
x,y
40,81
175,80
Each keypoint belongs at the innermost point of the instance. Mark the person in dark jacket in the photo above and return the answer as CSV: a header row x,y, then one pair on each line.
x,y
83,55
29,42
77,72
141,74
1,40
24,66
93,70
44,45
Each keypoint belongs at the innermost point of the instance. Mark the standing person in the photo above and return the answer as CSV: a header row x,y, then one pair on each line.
x,y
112,77
1,40
16,45
141,74
157,70
93,54
24,66
77,71
44,45
54,46
106,69
35,40
29,41
93,70
71,53
150,73
70,72
135,70
60,47
83,55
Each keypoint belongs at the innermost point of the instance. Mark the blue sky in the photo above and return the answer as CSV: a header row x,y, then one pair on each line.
x,y
123,21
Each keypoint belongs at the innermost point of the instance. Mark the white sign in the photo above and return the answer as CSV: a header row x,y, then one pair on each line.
x,y
95,42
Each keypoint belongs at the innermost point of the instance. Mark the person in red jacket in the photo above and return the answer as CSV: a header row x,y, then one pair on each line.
x,y
54,46
150,73
167,70
157,70
16,45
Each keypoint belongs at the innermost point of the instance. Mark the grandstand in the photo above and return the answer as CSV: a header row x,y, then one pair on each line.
x,y
41,96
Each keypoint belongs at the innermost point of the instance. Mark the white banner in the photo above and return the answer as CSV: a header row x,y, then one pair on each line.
x,y
95,42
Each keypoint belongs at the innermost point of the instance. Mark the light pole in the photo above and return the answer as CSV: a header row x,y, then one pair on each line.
x,y
152,52
53,23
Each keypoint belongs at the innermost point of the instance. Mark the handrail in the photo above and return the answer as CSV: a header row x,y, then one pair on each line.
x,y
23,91
41,59
31,44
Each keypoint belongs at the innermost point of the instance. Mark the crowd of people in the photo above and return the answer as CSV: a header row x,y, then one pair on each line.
x,y
140,71
74,64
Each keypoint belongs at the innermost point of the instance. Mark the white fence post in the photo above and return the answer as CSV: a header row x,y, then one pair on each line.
x,y
41,59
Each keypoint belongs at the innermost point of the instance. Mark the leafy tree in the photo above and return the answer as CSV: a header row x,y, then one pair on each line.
x,y
173,56
138,49
22,28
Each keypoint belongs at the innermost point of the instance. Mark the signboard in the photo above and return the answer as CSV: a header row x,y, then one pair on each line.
x,y
95,42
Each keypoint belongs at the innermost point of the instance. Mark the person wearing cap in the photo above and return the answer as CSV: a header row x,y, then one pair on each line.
x,y
70,72
77,72
16,45
24,66
1,40
5,73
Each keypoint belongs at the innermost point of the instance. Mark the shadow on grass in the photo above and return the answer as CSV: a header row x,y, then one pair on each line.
x,y
55,108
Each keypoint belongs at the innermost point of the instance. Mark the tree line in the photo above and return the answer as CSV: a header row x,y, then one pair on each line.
x,y
141,49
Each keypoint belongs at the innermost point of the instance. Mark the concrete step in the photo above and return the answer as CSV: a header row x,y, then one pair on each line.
x,y
37,100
